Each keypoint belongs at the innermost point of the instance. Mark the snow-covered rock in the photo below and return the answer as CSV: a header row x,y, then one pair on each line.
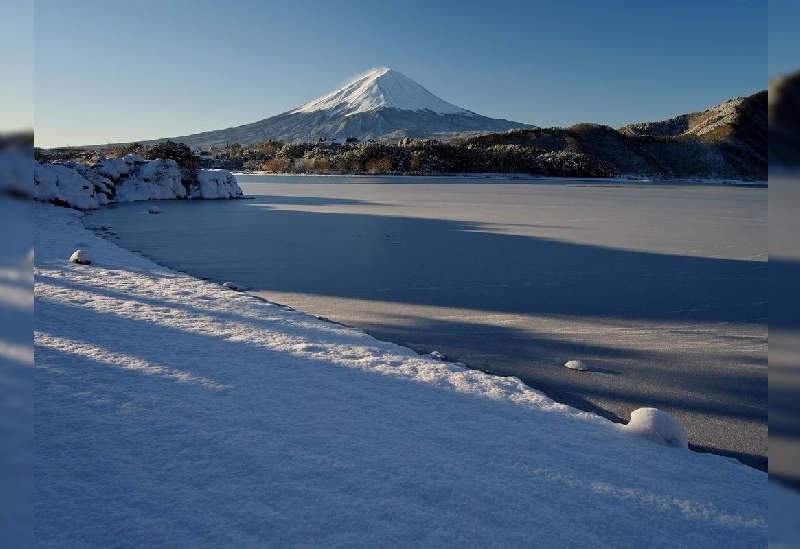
x,y
113,168
658,426
63,186
129,179
215,184
576,365
81,257
155,180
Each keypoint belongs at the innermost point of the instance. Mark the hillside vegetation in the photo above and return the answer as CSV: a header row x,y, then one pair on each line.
x,y
725,141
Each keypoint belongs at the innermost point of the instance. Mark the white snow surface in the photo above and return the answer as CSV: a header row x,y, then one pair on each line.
x,y
127,179
173,412
381,88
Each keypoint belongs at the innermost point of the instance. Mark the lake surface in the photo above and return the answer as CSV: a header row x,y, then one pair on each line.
x,y
660,289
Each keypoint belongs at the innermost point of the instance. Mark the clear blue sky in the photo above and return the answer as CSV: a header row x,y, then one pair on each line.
x,y
110,71
16,65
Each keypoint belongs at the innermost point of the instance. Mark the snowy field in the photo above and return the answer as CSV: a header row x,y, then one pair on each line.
x,y
659,289
174,412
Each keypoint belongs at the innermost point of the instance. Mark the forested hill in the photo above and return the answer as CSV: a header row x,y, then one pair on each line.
x,y
726,141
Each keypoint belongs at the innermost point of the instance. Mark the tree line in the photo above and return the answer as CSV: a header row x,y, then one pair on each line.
x,y
408,156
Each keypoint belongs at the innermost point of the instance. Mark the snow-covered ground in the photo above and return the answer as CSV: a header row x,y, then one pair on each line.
x,y
176,412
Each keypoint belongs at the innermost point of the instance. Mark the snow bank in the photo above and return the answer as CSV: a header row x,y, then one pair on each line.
x,y
173,411
127,179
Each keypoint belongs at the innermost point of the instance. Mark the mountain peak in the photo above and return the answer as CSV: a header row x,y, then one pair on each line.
x,y
380,88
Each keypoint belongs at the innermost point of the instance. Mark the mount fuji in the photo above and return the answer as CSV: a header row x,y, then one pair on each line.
x,y
381,105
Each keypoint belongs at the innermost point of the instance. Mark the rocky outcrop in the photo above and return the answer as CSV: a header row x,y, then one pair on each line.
x,y
85,187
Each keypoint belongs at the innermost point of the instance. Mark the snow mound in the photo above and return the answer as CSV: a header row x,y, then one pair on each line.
x,y
81,257
381,88
658,426
576,365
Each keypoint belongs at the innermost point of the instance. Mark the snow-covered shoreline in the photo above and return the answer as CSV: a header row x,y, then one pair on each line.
x,y
506,177
128,179
178,411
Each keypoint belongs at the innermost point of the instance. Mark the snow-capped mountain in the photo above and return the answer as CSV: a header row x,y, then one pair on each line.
x,y
380,105
381,88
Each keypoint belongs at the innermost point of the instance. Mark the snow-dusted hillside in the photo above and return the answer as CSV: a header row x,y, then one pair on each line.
x,y
381,105
381,88
713,123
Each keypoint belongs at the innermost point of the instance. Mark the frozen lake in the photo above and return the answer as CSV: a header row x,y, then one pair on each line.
x,y
660,289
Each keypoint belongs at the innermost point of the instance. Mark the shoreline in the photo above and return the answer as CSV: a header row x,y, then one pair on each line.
x,y
276,413
602,411
512,178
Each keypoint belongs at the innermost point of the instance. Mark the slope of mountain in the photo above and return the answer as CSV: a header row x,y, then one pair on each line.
x,y
381,105
725,141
